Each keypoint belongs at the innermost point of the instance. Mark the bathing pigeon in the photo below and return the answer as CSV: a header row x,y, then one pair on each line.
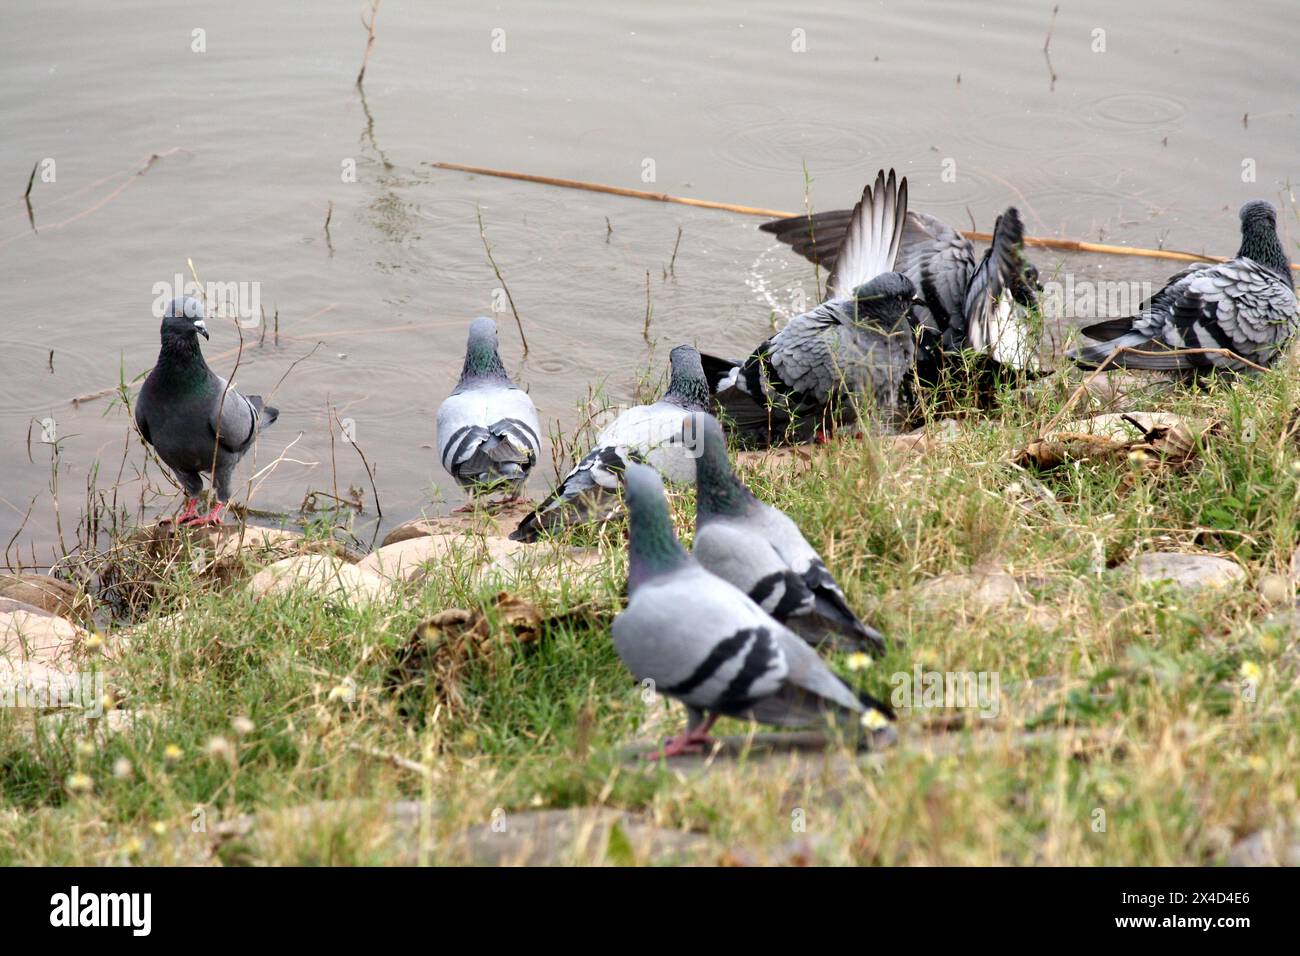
x,y
646,433
192,417
1246,306
847,357
703,642
983,308
760,550
487,428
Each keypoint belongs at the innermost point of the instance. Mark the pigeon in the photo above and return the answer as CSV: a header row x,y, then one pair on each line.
x,y
702,641
645,433
196,422
983,308
849,355
761,551
1245,306
488,428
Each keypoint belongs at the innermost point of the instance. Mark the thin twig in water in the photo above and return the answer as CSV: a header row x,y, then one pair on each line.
x,y
334,468
370,472
609,230
9,564
27,196
500,278
645,330
98,204
812,233
370,37
292,366
672,263
329,214
1047,43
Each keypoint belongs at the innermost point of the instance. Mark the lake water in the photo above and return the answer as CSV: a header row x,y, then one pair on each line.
x,y
1146,135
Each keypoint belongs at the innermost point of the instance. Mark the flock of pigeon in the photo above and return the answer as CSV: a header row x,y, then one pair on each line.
x,y
732,628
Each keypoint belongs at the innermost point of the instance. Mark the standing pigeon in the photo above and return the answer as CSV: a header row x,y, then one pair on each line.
x,y
196,422
650,434
1246,306
848,356
983,307
487,427
761,551
703,642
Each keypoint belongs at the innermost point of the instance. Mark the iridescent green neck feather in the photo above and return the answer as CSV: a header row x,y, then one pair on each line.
x,y
720,492
180,364
653,548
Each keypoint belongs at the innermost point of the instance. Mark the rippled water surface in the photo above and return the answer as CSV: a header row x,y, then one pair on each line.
x,y
1142,143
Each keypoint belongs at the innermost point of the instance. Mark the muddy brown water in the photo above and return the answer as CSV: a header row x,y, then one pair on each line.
x,y
1147,135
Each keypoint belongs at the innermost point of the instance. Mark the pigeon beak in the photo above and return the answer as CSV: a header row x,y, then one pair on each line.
x,y
917,300
201,328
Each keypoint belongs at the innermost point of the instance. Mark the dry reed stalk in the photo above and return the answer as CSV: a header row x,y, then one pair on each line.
x,y
1066,245
370,37
500,278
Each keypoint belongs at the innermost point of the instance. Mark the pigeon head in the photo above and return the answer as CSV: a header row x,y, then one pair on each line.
x,y
1259,240
1259,209
886,299
183,319
481,358
719,491
687,386
653,548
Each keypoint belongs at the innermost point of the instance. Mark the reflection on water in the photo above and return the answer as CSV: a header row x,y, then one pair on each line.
x,y
264,135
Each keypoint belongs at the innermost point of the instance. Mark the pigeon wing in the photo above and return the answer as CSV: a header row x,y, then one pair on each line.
x,y
995,321
808,353
829,613
816,236
233,418
743,557
940,262
701,641
872,238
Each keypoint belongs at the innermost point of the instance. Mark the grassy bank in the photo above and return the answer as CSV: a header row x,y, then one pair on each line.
x,y
1137,722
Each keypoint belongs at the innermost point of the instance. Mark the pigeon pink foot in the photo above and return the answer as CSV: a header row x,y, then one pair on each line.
x,y
212,518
